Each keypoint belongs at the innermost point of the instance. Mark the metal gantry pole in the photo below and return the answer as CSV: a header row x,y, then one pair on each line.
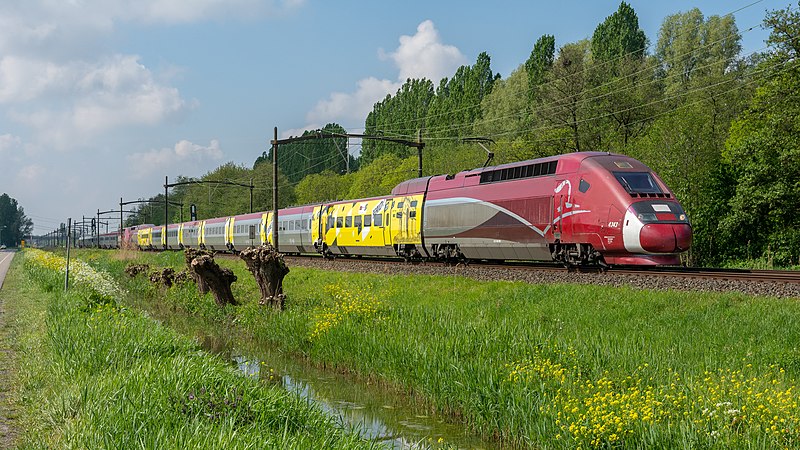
x,y
275,190
166,212
66,275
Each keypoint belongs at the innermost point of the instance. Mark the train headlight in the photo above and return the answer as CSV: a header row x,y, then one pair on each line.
x,y
682,217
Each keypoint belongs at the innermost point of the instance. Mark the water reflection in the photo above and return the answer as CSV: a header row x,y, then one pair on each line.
x,y
373,411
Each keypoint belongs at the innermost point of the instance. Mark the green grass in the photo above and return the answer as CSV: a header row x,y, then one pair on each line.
x,y
95,374
556,366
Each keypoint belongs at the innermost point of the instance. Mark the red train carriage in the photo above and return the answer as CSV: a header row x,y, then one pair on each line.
x,y
576,208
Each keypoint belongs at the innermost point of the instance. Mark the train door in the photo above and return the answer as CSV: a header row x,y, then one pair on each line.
x,y
201,235
229,231
562,225
267,218
180,235
386,212
318,228
409,230
262,228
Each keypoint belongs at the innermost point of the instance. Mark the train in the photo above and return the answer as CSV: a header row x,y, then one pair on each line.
x,y
576,209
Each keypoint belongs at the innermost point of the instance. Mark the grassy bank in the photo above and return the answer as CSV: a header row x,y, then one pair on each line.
x,y
95,374
556,366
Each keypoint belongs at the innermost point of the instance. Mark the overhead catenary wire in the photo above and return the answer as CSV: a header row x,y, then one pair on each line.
x,y
602,64
582,101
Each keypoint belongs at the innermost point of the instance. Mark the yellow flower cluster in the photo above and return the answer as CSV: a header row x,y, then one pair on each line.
x,y
80,272
729,401
602,412
540,367
108,313
727,405
348,303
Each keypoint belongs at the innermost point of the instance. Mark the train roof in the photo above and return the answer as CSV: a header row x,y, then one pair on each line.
x,y
568,163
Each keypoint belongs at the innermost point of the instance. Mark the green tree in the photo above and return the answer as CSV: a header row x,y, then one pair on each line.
x,y
381,176
505,112
15,225
457,104
619,35
299,159
764,150
690,49
402,115
564,94
621,84
323,186
539,63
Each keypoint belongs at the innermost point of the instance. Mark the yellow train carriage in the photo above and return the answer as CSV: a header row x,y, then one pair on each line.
x,y
144,238
383,226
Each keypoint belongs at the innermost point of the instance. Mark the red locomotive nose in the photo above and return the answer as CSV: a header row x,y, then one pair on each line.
x,y
666,237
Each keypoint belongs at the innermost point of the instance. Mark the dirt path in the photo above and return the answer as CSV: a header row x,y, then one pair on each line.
x,y
7,411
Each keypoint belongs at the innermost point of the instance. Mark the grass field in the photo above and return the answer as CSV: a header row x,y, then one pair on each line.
x,y
551,366
95,374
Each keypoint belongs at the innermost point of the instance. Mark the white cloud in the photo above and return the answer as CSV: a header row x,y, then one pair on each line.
x,y
422,55
44,25
83,99
181,158
9,143
352,107
30,174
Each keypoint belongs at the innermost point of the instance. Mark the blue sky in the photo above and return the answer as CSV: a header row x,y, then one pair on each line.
x,y
100,99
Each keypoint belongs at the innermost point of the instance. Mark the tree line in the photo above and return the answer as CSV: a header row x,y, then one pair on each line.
x,y
719,126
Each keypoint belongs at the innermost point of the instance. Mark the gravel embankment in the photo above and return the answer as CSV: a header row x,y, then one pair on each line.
x,y
534,276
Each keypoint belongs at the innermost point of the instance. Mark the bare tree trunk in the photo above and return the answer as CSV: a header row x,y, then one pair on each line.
x,y
217,279
189,255
135,269
165,277
269,269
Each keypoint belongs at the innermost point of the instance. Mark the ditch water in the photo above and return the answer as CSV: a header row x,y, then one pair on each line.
x,y
375,412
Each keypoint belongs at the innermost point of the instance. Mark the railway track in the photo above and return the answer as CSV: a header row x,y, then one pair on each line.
x,y
763,276
776,283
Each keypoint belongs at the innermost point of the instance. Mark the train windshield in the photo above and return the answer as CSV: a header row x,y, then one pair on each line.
x,y
638,182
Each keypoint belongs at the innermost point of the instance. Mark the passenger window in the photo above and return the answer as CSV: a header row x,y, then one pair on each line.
x,y
357,221
399,205
329,225
378,220
367,220
583,186
291,226
414,204
348,222
339,222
